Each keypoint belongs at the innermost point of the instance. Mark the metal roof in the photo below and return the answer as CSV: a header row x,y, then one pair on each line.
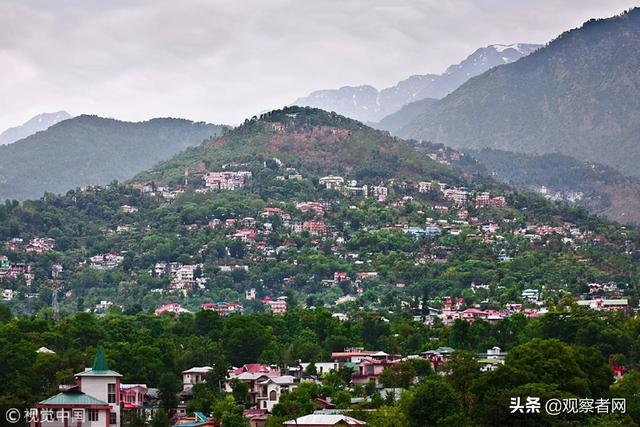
x,y
73,398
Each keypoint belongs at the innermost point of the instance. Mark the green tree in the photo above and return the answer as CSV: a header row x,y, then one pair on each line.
x,y
168,389
432,403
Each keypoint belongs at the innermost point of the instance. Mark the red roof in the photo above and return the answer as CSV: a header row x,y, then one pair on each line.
x,y
252,368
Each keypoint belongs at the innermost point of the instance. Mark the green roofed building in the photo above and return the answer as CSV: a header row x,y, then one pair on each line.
x,y
94,400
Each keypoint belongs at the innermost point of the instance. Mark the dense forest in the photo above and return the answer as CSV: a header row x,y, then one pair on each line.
x,y
599,188
564,354
91,150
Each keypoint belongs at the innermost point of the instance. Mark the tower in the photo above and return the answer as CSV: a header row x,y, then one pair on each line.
x,y
55,287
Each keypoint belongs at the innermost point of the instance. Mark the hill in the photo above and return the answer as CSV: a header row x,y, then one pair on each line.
x,y
395,121
89,150
33,125
576,96
312,141
368,104
558,177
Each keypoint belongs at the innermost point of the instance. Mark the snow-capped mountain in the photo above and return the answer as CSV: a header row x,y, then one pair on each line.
x,y
368,104
33,125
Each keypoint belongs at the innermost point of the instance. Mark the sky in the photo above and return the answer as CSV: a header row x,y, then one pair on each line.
x,y
221,61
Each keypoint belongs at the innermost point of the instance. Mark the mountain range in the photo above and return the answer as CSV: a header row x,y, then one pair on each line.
x,y
91,150
577,96
368,104
33,125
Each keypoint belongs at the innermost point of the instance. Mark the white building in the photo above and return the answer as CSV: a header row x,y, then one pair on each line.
x,y
194,376
94,400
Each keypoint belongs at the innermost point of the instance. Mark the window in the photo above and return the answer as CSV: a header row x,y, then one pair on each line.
x,y
112,418
93,415
273,395
111,393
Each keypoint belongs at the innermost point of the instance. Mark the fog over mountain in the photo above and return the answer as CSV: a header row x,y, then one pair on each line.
x,y
368,104
579,96
89,150
33,125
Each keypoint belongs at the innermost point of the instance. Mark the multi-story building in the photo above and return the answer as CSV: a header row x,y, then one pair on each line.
x,y
94,400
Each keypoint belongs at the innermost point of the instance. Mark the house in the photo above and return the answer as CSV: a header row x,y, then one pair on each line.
x,y
315,228
279,212
332,182
226,180
340,276
472,314
601,304
7,294
279,306
457,195
256,417
438,357
222,308
493,358
94,399
40,245
250,294
272,388
198,420
324,420
106,261
133,396
369,369
194,376
173,308
379,192
321,367
255,376
530,295
350,355
245,234
424,186
316,207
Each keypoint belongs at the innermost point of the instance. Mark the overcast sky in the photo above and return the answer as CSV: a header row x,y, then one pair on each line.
x,y
223,60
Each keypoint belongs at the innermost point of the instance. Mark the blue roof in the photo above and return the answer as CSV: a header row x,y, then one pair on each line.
x,y
200,419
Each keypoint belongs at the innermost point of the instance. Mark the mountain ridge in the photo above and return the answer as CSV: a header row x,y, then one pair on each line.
x,y
575,96
35,124
368,104
90,150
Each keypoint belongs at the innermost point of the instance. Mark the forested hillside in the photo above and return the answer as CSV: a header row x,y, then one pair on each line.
x,y
90,150
577,96
302,233
601,189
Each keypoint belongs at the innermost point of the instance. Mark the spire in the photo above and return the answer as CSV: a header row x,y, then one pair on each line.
x,y
100,362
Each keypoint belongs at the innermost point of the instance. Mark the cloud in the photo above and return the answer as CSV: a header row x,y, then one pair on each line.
x,y
224,60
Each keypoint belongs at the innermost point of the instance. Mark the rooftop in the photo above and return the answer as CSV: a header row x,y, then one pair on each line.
x,y
73,398
99,368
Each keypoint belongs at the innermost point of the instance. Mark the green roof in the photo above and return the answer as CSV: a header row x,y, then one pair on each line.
x,y
92,373
73,398
100,362
99,368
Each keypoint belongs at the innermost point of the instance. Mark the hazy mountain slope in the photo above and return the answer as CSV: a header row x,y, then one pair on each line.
x,y
599,188
578,96
367,104
91,150
33,125
403,116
